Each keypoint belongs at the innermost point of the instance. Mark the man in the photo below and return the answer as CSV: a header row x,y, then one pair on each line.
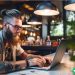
x,y
12,24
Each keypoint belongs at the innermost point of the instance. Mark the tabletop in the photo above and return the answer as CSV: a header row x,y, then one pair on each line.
x,y
68,71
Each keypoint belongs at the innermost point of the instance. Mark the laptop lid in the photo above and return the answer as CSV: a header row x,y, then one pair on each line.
x,y
59,53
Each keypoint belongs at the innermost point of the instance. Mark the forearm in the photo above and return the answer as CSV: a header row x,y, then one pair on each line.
x,y
12,66
32,56
21,62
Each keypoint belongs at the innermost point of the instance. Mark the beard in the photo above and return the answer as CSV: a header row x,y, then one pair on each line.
x,y
9,35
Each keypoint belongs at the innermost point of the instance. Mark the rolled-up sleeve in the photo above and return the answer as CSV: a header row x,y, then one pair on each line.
x,y
19,50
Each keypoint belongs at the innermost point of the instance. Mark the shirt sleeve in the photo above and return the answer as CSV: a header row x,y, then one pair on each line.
x,y
19,49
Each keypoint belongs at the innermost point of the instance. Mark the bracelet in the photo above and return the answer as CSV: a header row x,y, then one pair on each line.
x,y
30,62
27,63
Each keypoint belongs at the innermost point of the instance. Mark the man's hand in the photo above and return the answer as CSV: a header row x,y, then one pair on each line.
x,y
36,62
40,61
48,59
45,59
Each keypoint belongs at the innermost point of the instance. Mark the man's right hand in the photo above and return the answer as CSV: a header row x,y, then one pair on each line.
x,y
36,62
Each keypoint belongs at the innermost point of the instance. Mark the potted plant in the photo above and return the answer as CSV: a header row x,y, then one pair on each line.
x,y
71,30
71,49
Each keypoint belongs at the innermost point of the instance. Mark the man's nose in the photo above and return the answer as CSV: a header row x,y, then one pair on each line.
x,y
18,31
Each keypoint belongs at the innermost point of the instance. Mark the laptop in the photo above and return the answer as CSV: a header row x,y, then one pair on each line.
x,y
57,58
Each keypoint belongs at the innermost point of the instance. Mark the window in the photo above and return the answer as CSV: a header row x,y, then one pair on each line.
x,y
57,29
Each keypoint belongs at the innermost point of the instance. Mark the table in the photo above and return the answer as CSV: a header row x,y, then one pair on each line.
x,y
66,71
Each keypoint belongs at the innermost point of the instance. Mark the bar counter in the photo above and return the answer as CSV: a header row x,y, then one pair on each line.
x,y
43,50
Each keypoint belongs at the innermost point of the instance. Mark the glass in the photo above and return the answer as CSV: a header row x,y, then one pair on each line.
x,y
15,26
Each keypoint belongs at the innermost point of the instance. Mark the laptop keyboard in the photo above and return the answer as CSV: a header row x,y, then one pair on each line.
x,y
46,66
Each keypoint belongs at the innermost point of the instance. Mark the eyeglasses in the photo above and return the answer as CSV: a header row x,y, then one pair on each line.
x,y
15,26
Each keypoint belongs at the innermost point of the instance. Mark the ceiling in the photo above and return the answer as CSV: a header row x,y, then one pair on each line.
x,y
18,4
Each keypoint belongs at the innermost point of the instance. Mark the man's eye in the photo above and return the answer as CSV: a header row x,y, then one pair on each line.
x,y
17,27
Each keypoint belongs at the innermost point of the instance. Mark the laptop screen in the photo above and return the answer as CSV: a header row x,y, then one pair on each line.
x,y
59,53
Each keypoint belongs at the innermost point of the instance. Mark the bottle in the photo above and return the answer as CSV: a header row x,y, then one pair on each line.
x,y
48,41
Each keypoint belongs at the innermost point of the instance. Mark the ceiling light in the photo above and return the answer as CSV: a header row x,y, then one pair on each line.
x,y
26,26
34,23
26,6
34,20
31,8
46,9
70,7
